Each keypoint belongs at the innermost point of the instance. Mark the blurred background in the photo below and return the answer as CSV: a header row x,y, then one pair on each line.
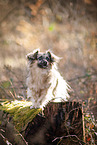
x,y
67,27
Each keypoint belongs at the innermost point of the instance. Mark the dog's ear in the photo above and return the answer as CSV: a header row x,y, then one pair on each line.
x,y
32,55
53,57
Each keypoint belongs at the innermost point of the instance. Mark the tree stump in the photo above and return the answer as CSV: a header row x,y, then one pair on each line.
x,y
62,122
59,123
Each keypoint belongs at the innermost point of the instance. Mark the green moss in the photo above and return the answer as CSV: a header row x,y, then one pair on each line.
x,y
21,112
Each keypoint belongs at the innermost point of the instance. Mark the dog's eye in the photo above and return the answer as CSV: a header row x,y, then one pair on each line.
x,y
39,58
47,58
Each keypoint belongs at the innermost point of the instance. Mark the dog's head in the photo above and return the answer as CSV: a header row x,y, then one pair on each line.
x,y
43,59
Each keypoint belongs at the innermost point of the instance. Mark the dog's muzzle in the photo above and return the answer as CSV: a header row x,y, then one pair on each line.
x,y
43,63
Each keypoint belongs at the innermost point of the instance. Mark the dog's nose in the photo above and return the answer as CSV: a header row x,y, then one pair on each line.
x,y
42,64
45,63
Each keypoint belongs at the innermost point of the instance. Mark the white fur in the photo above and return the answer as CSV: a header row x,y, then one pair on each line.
x,y
45,85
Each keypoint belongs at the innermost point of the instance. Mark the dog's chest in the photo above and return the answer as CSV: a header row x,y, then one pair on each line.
x,y
39,78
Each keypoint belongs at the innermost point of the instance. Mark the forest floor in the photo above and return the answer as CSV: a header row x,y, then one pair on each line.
x,y
68,29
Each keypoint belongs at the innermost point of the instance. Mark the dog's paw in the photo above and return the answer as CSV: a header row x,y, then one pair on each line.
x,y
31,107
34,107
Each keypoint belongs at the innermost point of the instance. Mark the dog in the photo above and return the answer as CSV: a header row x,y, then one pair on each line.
x,y
44,82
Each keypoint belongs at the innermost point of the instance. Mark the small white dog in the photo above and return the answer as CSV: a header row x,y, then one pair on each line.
x,y
44,81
